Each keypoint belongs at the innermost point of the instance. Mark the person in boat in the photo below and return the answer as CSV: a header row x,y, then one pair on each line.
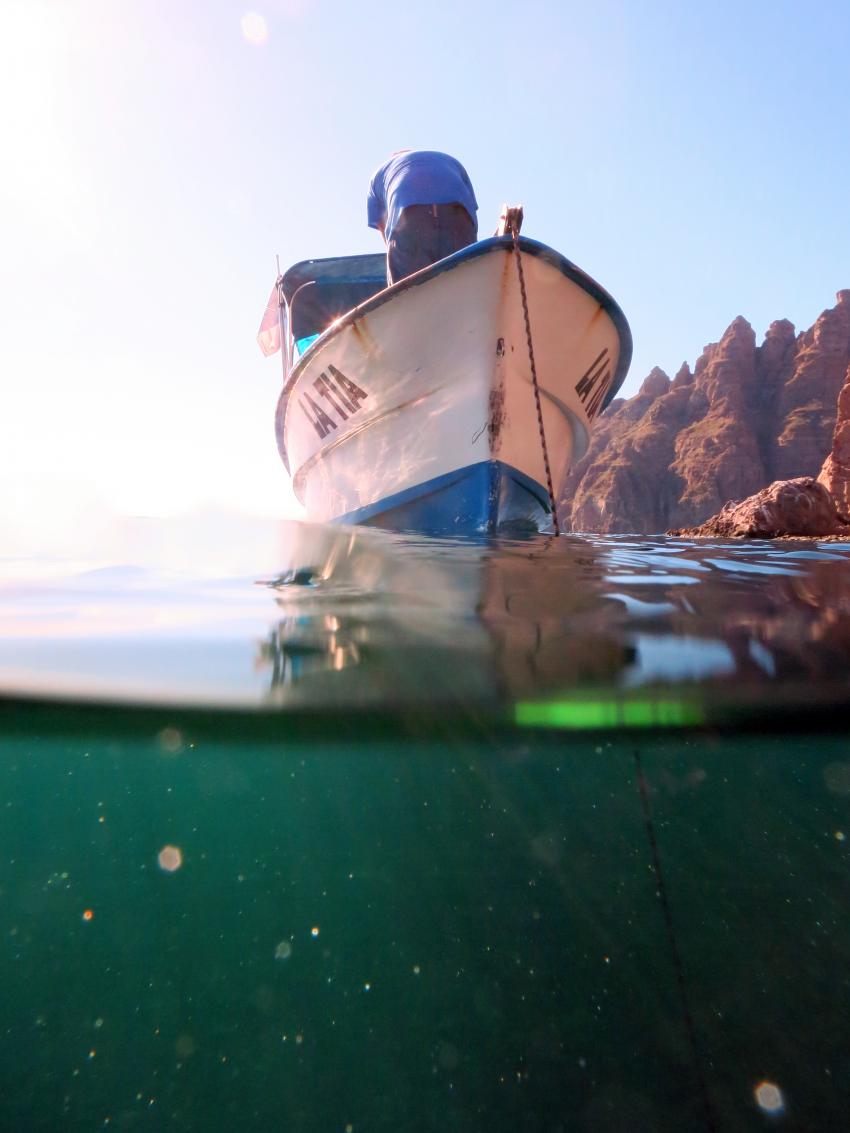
x,y
423,204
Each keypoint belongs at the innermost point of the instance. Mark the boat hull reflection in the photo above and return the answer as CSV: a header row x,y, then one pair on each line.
x,y
607,632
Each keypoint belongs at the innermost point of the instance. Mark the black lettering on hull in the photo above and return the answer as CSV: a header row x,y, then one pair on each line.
x,y
354,392
324,388
595,383
317,417
598,398
350,406
342,397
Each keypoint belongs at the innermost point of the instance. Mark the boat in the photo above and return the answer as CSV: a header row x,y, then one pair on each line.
x,y
449,402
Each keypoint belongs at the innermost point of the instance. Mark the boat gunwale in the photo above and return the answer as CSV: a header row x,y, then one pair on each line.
x,y
473,251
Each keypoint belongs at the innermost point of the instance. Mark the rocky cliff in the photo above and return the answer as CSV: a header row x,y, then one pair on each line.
x,y
835,474
801,507
676,452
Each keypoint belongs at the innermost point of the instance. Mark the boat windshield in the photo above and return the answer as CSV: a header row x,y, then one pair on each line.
x,y
301,344
319,291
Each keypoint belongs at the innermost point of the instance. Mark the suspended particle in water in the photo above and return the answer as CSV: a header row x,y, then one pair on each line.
x,y
170,740
263,998
170,858
448,1056
837,777
185,1046
314,931
769,1097
283,950
840,835
87,914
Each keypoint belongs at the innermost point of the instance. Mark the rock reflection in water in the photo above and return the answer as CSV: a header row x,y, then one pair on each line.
x,y
368,619
419,621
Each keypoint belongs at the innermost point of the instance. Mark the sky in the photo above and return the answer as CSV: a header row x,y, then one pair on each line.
x,y
158,154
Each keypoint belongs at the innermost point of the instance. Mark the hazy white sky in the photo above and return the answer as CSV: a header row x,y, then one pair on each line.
x,y
157,154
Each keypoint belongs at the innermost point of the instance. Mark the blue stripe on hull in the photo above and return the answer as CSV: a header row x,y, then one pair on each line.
x,y
477,500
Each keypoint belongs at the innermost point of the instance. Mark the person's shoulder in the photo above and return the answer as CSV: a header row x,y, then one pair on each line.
x,y
379,172
377,182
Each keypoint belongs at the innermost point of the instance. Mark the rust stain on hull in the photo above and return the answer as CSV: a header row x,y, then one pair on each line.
x,y
363,335
600,314
496,415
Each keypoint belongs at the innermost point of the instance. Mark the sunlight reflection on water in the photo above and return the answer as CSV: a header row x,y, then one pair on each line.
x,y
359,616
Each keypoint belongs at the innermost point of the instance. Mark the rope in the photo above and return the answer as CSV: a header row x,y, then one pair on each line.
x,y
661,888
514,228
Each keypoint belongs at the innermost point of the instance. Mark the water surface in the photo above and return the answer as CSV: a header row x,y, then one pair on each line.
x,y
396,834
355,619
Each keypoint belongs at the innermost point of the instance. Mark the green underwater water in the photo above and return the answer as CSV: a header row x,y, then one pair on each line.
x,y
399,902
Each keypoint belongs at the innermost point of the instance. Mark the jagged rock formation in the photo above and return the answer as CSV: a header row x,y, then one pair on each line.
x,y
675,453
799,507
835,474
786,507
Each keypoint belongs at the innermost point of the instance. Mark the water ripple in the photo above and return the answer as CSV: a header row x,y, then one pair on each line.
x,y
357,617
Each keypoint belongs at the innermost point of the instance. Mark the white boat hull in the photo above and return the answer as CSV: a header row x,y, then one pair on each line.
x,y
417,409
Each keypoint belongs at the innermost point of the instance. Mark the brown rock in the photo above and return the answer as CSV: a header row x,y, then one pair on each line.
x,y
746,415
835,474
717,456
615,481
805,408
684,377
776,353
656,384
787,507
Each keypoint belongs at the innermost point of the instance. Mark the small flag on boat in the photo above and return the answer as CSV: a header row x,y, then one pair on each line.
x,y
268,336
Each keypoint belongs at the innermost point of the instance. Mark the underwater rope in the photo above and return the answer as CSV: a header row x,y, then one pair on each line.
x,y
661,888
514,229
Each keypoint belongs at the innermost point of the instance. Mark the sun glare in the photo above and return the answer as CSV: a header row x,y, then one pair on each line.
x,y
254,29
